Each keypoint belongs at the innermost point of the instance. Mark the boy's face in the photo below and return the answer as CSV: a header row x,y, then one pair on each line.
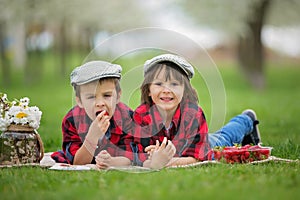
x,y
95,97
166,94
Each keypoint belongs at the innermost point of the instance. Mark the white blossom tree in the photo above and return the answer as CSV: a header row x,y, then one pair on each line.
x,y
73,23
245,20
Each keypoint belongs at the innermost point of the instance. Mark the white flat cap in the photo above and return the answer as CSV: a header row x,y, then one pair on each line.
x,y
94,70
179,61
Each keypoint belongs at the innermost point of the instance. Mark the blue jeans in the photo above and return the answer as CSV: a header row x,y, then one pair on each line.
x,y
233,132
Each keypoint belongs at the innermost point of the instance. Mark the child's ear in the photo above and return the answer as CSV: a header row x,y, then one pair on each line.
x,y
78,101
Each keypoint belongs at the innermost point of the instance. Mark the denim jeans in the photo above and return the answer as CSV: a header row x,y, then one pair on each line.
x,y
233,132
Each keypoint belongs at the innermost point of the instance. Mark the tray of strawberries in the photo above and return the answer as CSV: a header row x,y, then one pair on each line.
x,y
241,154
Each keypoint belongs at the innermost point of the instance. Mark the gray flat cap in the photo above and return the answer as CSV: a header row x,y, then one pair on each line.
x,y
94,70
179,61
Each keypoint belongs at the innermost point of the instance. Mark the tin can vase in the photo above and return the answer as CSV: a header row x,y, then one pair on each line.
x,y
20,144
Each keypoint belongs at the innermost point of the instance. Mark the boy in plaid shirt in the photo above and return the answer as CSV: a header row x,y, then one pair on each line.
x,y
99,124
171,128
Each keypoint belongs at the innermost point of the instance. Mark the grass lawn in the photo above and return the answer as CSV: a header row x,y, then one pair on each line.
x,y
276,106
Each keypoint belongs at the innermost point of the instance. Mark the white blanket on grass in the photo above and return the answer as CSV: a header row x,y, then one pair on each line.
x,y
48,162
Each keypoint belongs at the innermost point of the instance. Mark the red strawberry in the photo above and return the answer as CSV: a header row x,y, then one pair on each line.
x,y
98,112
241,154
217,155
265,151
247,154
235,158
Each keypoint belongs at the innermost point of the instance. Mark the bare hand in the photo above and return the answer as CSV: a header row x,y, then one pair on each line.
x,y
161,154
103,159
100,125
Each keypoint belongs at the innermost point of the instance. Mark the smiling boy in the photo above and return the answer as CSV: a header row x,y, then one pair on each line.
x,y
173,130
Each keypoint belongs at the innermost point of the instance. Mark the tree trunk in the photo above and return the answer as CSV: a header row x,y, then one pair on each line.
x,y
63,48
250,49
35,62
5,63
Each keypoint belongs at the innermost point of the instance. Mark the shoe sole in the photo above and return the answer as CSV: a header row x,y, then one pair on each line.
x,y
252,138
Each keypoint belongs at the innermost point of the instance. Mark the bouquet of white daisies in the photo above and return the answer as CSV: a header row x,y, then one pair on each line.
x,y
18,112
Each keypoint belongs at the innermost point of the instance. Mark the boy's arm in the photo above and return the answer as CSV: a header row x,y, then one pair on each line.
x,y
72,142
105,160
147,163
85,153
196,138
120,161
176,161
82,156
71,139
96,132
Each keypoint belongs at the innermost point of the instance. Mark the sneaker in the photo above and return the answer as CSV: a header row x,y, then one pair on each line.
x,y
254,136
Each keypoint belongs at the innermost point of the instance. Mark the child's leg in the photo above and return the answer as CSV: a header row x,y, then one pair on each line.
x,y
233,132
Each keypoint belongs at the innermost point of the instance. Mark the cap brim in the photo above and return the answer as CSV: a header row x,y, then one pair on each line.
x,y
95,78
170,58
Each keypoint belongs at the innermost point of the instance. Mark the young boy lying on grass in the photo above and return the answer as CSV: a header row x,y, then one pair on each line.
x,y
99,124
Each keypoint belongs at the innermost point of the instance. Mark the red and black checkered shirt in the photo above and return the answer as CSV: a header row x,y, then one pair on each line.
x,y
116,141
188,130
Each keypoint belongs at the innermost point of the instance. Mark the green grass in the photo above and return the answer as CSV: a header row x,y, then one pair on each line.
x,y
265,181
277,108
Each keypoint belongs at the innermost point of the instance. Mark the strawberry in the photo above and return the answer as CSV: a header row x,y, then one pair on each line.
x,y
265,151
247,154
217,155
98,112
235,158
241,154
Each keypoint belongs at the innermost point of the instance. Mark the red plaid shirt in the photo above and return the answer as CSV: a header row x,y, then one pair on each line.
x,y
117,139
188,130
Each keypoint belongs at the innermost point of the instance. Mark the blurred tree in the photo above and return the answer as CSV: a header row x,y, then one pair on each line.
x,y
246,20
4,47
79,20
250,48
72,23
18,15
5,79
